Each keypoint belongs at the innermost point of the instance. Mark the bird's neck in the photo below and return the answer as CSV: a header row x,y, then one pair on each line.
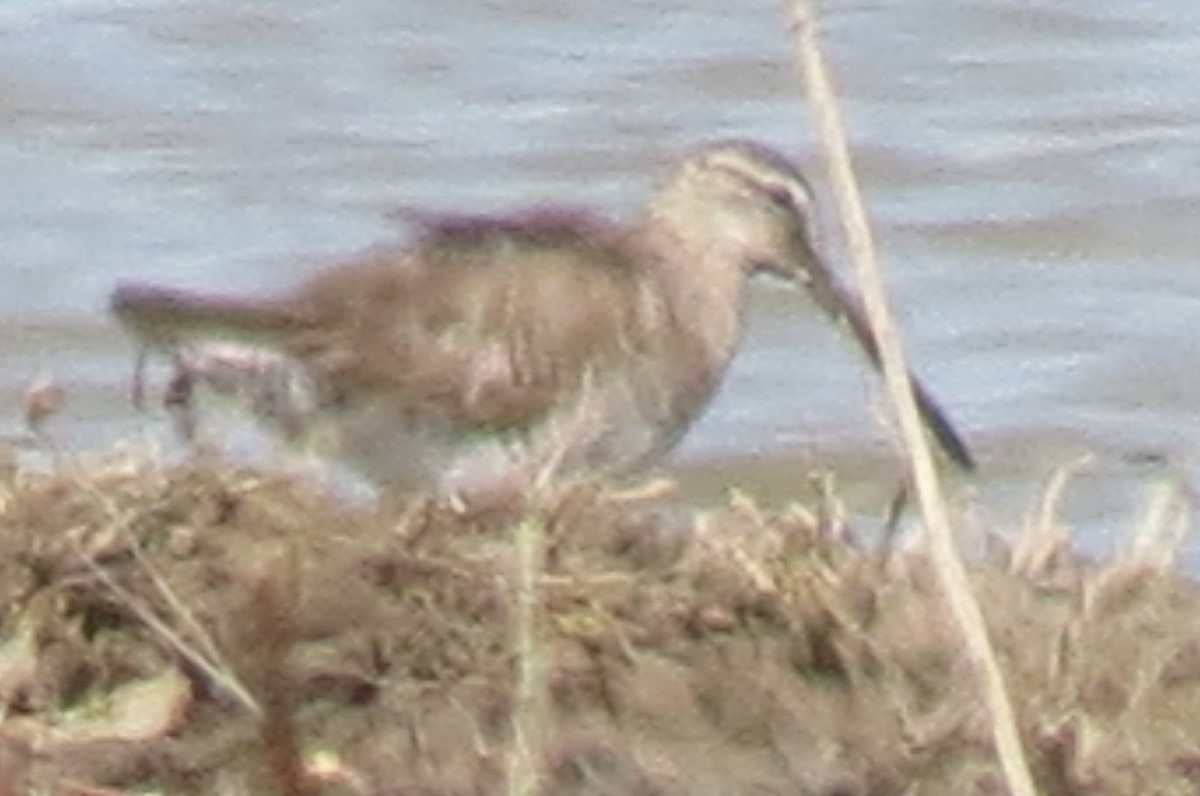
x,y
702,287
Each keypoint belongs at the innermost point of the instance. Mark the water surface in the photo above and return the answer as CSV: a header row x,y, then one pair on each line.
x,y
1031,168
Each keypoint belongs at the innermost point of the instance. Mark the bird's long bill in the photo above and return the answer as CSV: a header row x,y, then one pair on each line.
x,y
846,309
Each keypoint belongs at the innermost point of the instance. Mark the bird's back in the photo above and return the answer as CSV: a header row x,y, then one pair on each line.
x,y
483,325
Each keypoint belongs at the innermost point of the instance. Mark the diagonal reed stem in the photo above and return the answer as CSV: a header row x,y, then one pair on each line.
x,y
948,563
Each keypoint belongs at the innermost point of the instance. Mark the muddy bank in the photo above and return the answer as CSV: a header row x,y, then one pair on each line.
x,y
202,628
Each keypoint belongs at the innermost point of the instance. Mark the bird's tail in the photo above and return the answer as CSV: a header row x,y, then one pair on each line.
x,y
167,318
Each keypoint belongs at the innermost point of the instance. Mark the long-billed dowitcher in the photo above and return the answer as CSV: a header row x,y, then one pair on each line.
x,y
495,351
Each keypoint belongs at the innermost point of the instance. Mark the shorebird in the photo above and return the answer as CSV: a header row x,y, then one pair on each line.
x,y
496,351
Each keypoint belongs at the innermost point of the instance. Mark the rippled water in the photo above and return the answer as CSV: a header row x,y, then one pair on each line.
x,y
1031,167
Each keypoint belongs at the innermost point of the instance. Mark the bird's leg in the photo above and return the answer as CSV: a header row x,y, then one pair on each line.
x,y
178,399
271,385
137,384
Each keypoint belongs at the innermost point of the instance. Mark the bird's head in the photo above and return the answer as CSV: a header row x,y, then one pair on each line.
x,y
746,202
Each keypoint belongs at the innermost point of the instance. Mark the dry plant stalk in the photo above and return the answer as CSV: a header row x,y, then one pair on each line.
x,y
216,670
529,713
1156,540
187,636
273,591
948,563
1043,537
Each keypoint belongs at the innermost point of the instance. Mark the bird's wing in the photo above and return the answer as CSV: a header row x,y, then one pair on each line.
x,y
483,324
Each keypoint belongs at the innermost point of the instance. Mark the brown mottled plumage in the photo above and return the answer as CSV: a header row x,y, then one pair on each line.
x,y
498,350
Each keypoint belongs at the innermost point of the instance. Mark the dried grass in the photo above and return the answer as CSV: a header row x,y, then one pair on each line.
x,y
643,650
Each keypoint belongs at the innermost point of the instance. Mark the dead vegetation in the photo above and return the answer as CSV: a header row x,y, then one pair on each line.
x,y
205,629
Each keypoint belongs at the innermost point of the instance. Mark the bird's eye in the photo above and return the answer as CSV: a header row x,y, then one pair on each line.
x,y
780,196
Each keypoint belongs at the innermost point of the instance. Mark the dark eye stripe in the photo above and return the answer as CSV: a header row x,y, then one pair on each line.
x,y
795,197
780,195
